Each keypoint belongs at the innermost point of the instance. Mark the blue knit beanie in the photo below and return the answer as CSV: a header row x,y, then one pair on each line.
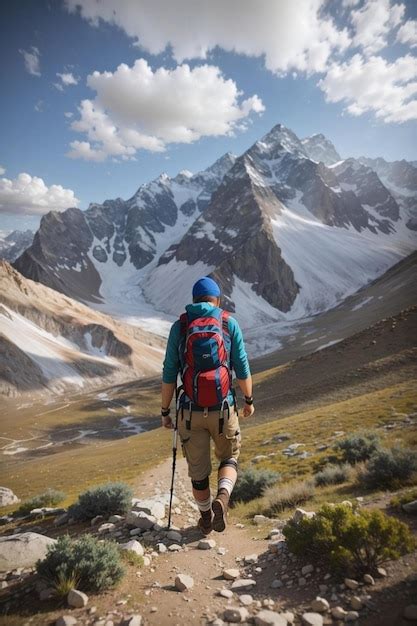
x,y
206,287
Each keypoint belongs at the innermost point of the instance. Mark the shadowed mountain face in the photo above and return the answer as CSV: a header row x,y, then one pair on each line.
x,y
288,229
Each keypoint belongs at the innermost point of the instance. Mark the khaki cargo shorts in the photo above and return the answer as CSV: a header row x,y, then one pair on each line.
x,y
195,439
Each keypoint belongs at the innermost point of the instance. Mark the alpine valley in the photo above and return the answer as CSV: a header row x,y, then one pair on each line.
x,y
291,231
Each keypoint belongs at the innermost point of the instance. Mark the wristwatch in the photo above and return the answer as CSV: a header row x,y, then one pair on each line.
x,y
165,412
249,400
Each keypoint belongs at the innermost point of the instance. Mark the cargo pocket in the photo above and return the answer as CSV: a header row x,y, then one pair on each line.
x,y
232,435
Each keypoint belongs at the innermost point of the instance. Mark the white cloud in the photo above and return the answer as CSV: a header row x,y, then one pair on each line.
x,y
374,85
350,3
290,35
68,114
30,196
67,78
373,22
138,108
31,58
2,170
39,106
407,34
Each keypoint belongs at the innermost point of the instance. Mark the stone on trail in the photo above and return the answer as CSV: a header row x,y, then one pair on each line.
x,y
302,514
206,544
260,519
183,582
246,599
174,547
320,605
226,593
368,579
351,583
77,599
382,572
338,612
236,614
135,620
106,528
231,574
312,619
270,618
307,569
65,620
410,507
161,547
351,616
251,559
7,497
156,508
276,584
139,519
133,546
115,519
174,535
244,583
356,603
23,550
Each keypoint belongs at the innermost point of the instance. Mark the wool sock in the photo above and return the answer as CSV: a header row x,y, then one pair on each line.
x,y
226,484
203,505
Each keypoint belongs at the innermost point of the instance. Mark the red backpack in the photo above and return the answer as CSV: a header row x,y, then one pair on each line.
x,y
205,357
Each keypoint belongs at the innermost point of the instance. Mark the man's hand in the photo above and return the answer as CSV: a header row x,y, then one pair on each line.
x,y
166,422
248,410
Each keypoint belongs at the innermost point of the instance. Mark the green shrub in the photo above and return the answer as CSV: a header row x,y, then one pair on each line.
x,y
50,497
358,447
251,484
95,565
109,499
356,541
404,498
388,469
281,497
332,475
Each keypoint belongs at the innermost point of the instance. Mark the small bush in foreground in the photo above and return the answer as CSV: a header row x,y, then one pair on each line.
x,y
281,497
388,469
94,565
358,447
332,475
109,499
251,484
357,541
50,497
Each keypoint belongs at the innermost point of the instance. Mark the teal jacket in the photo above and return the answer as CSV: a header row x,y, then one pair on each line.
x,y
238,357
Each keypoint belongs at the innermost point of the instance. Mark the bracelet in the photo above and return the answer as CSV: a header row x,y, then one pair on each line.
x,y
249,400
165,412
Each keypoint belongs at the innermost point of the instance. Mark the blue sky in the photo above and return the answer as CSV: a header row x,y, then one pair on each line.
x,y
363,51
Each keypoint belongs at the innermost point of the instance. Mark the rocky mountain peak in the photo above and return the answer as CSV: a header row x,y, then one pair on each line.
x,y
319,148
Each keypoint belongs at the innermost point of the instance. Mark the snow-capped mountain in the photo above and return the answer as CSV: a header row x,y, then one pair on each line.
x,y
319,148
49,342
284,233
13,244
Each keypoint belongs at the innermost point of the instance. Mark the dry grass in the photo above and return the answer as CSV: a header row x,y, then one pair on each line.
x,y
278,498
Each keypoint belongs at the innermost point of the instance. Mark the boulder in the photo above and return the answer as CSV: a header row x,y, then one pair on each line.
x,y
65,620
184,582
410,507
7,497
320,605
235,614
312,619
77,599
270,618
23,550
302,514
243,583
133,546
156,508
231,574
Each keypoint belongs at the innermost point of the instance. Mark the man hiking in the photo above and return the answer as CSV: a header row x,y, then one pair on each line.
x,y
204,346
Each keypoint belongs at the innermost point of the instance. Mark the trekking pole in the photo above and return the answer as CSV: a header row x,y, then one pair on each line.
x,y
174,454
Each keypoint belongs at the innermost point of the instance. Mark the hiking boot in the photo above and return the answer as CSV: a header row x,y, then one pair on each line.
x,y
205,522
219,506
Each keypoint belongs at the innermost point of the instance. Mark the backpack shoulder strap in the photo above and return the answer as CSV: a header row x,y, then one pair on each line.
x,y
225,322
183,324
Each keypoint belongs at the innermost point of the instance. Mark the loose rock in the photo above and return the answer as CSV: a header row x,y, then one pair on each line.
x,y
183,582
226,593
270,618
133,546
312,619
338,612
320,605
351,584
7,497
368,579
77,599
231,574
244,583
246,599
65,620
236,614
356,603
206,544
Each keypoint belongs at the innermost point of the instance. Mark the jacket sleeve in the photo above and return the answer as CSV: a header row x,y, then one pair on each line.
x,y
171,365
238,356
